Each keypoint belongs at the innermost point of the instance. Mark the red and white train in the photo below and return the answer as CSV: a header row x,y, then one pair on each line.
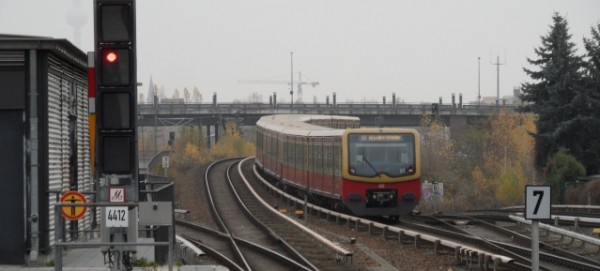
x,y
368,171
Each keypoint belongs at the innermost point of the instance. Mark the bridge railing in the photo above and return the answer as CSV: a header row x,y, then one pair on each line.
x,y
320,108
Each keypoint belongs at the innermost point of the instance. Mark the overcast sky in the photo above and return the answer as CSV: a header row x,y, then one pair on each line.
x,y
362,50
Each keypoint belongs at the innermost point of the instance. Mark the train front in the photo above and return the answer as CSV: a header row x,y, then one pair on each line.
x,y
381,171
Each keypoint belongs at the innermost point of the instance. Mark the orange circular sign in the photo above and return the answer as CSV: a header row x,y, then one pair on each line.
x,y
73,212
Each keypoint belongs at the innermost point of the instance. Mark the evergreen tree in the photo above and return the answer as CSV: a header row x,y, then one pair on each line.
x,y
592,65
590,144
556,93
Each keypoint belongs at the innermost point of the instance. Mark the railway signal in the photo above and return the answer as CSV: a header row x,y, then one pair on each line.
x,y
116,148
435,109
115,47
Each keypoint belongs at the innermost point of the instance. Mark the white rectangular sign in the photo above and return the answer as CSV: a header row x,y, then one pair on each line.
x,y
165,161
537,202
116,217
116,194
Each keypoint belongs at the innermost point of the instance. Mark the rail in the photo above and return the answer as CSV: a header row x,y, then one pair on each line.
x,y
305,264
220,222
584,238
335,247
184,242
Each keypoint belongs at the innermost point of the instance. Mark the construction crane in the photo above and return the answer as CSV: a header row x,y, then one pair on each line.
x,y
298,83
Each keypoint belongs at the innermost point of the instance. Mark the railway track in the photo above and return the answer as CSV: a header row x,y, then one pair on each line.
x,y
516,255
463,254
250,236
505,241
469,250
232,220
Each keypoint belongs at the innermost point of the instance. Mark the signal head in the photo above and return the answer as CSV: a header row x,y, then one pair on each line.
x,y
110,56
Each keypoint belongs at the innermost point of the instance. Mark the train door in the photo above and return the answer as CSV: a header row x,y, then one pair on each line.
x,y
310,159
337,166
299,160
271,149
286,161
277,154
294,145
318,180
328,164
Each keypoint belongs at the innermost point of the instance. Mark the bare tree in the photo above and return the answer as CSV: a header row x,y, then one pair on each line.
x,y
186,95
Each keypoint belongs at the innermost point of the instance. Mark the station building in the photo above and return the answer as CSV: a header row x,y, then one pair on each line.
x,y
44,142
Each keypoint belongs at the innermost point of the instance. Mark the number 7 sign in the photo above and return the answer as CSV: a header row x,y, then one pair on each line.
x,y
537,202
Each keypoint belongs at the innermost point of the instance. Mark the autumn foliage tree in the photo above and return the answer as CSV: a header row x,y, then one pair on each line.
x,y
487,167
438,162
437,150
508,158
232,144
190,149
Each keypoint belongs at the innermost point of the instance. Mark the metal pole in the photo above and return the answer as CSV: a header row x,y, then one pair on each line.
x,y
306,207
57,239
479,80
497,80
34,158
170,247
292,77
535,245
155,121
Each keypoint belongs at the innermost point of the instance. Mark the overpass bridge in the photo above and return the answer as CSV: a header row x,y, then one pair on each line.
x,y
453,115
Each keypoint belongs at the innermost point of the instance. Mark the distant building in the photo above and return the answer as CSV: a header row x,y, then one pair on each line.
x,y
172,101
150,96
507,99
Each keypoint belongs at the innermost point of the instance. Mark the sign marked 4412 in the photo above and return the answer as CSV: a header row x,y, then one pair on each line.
x,y
116,217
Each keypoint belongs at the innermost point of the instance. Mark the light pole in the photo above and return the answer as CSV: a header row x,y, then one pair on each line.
x,y
292,78
155,120
479,80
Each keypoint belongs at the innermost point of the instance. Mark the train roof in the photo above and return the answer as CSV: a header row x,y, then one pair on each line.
x,y
294,124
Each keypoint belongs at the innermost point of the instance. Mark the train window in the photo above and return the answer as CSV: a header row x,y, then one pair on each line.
x,y
279,149
257,140
319,156
311,155
267,154
296,153
374,154
258,143
273,146
300,153
262,141
270,145
302,150
284,150
337,154
326,157
329,162
290,151
293,154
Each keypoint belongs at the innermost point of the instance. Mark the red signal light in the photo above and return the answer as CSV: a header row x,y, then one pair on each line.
x,y
111,56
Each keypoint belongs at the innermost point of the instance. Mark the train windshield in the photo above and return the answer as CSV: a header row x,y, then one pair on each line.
x,y
374,154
